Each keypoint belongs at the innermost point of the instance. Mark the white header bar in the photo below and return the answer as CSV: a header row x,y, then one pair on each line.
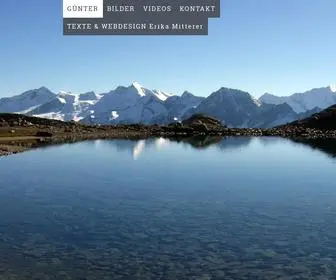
x,y
83,8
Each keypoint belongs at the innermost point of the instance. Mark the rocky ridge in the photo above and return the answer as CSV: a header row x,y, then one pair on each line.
x,y
19,132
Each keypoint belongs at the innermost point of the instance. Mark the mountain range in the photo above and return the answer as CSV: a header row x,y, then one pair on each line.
x,y
137,104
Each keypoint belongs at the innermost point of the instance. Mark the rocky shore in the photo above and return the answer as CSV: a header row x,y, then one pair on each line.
x,y
19,133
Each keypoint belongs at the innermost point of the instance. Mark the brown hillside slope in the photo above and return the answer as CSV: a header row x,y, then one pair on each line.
x,y
324,120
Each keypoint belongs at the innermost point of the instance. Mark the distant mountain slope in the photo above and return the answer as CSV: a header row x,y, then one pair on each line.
x,y
133,104
178,106
233,106
26,101
302,102
325,119
272,115
66,106
137,104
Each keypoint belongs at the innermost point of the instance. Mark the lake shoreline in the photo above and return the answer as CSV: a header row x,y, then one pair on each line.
x,y
18,144
19,133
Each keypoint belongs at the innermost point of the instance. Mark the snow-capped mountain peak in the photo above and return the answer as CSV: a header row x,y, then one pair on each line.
x,y
26,101
162,95
304,101
131,104
139,88
68,97
142,91
332,88
61,99
137,104
256,101
66,106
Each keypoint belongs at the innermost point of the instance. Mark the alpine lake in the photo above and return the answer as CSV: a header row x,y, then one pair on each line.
x,y
199,208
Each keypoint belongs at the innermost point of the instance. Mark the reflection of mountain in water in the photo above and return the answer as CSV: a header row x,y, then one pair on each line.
x,y
223,143
270,140
198,142
136,148
141,145
327,146
231,143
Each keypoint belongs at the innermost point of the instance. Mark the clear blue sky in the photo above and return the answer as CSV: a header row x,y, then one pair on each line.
x,y
277,46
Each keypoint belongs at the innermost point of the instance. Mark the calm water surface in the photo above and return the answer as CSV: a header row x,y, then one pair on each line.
x,y
240,208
